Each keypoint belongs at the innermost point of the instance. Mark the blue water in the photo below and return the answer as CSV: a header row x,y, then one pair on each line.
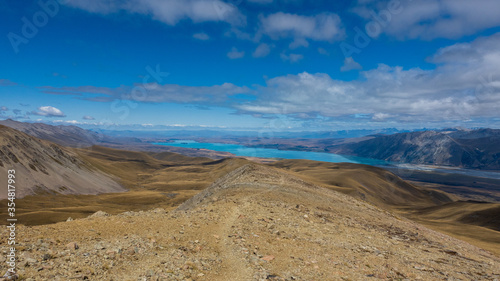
x,y
241,150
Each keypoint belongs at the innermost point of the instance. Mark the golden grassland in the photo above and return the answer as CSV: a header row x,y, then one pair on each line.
x,y
167,179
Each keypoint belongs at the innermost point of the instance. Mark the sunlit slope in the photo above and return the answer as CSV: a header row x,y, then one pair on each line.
x,y
371,184
254,223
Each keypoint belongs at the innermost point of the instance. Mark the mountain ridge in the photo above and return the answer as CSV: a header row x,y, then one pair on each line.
x,y
255,223
66,135
475,149
45,167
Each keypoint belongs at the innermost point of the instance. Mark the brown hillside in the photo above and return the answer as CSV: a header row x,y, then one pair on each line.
x,y
368,183
255,223
43,167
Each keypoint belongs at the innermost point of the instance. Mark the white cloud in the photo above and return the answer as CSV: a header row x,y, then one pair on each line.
x,y
465,85
4,108
350,64
235,54
323,51
88,117
261,1
71,122
380,117
298,42
429,19
167,11
206,95
291,57
49,111
261,51
201,36
156,93
321,27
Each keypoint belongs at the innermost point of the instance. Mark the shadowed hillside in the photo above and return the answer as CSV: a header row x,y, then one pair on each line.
x,y
43,167
477,149
151,183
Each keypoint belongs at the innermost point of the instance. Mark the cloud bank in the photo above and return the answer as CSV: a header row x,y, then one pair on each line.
x,y
167,11
463,86
430,19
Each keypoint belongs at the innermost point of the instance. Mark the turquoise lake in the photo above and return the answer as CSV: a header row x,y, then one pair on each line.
x,y
241,150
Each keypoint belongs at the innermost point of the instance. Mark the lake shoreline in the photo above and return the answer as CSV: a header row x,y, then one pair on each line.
x,y
255,152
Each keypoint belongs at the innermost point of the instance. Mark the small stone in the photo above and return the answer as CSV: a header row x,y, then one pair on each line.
x,y
99,246
99,214
70,219
46,257
111,254
30,261
72,246
130,251
268,258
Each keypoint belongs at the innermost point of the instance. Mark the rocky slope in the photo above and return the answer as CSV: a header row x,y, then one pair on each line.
x,y
44,167
255,223
371,184
477,149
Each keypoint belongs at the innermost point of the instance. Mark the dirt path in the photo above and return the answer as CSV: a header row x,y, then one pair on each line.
x,y
237,267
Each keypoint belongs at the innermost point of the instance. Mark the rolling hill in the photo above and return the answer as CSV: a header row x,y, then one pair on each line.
x,y
254,223
207,190
43,167
371,184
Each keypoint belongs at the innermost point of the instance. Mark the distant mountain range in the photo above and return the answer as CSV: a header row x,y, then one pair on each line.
x,y
71,136
465,148
189,133
476,149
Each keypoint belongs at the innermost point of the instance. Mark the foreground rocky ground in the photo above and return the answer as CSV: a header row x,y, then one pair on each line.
x,y
256,223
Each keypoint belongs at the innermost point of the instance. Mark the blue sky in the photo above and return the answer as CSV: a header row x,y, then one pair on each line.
x,y
287,64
